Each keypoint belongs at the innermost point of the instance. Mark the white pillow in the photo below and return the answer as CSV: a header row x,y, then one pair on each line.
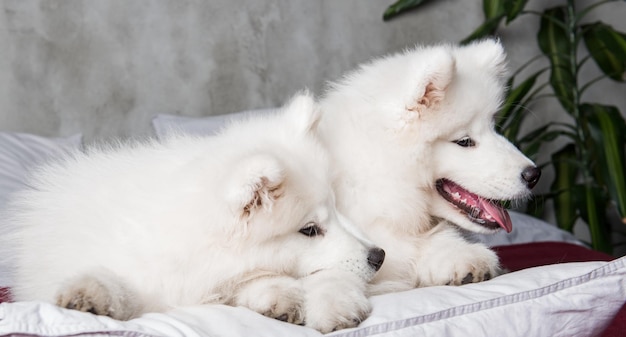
x,y
165,124
20,152
528,229
570,299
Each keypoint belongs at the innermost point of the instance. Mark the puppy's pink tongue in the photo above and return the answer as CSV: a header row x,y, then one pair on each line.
x,y
499,214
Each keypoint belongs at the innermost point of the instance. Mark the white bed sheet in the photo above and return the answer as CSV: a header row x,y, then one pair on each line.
x,y
573,299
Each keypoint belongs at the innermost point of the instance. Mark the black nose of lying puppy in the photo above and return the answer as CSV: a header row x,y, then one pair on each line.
x,y
375,258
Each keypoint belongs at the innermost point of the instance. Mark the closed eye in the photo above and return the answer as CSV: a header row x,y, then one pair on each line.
x,y
465,142
311,229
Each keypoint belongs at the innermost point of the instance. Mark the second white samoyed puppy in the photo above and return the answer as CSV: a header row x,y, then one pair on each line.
x,y
244,218
413,143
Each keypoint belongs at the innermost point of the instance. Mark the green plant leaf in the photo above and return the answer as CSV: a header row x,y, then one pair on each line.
x,y
565,201
493,8
401,6
516,95
488,28
608,129
512,106
593,213
513,8
512,126
554,42
535,139
607,48
536,133
494,13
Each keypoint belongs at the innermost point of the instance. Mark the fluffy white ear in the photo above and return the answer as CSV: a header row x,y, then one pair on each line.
x,y
438,75
303,111
256,184
487,54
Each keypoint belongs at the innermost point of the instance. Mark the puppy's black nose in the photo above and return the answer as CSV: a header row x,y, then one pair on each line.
x,y
531,176
375,258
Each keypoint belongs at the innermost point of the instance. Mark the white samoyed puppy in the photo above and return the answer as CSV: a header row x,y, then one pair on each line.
x,y
414,151
244,218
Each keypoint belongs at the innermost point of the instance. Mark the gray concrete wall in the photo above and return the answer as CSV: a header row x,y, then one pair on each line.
x,y
105,68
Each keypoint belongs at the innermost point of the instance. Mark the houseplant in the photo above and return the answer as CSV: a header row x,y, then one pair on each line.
x,y
589,181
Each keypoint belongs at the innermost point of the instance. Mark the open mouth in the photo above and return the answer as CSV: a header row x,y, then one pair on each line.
x,y
485,212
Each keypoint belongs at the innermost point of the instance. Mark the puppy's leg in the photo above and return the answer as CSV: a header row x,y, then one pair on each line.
x,y
334,300
447,258
100,293
279,297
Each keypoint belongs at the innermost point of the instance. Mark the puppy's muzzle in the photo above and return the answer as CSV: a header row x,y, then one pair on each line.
x,y
375,258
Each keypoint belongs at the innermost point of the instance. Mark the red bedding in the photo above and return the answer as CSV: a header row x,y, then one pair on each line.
x,y
521,256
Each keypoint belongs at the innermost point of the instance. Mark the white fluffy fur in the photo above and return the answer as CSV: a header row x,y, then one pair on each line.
x,y
128,229
390,127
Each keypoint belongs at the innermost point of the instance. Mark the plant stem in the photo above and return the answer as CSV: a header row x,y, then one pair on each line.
x,y
581,148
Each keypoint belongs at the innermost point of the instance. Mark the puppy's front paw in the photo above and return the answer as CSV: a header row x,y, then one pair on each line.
x,y
276,297
480,264
334,300
99,296
470,263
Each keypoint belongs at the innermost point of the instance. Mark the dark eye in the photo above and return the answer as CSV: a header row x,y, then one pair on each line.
x,y
465,142
311,229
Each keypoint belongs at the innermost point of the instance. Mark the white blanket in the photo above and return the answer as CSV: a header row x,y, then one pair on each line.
x,y
572,299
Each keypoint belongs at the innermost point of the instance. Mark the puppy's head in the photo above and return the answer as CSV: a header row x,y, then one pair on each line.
x,y
283,205
473,167
430,110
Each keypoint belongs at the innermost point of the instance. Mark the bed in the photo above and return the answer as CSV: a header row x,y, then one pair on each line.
x,y
556,285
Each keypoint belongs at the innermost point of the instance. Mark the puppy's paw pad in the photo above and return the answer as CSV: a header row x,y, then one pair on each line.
x,y
474,272
477,263
85,299
469,278
337,321
94,295
335,302
275,297
286,311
